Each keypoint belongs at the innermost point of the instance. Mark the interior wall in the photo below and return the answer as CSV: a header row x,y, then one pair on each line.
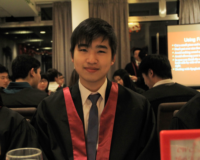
x,y
4,58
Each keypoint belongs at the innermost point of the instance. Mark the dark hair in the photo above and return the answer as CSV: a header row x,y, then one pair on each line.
x,y
132,55
158,63
93,28
135,49
74,78
3,69
22,64
44,76
52,74
143,53
59,74
127,80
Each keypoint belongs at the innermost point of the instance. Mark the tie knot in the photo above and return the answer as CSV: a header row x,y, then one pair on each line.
x,y
94,98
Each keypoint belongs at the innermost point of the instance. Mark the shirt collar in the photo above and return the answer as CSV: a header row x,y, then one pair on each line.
x,y
18,85
165,81
85,92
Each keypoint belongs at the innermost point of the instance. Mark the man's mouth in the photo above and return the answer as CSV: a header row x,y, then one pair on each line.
x,y
91,70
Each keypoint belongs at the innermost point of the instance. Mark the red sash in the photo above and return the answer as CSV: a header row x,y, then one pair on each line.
x,y
134,69
106,126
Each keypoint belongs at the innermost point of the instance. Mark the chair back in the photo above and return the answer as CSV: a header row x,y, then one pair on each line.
x,y
175,113
26,112
165,114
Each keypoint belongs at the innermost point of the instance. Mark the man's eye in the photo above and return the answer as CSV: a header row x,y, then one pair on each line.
x,y
101,52
83,50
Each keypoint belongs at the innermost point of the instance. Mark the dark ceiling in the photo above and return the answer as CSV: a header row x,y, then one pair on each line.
x,y
46,14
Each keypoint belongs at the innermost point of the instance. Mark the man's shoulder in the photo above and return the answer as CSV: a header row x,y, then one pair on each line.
x,y
189,113
128,96
167,90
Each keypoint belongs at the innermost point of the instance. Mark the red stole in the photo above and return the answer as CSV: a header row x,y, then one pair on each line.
x,y
135,68
106,126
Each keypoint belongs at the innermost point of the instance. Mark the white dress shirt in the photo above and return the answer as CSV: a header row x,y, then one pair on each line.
x,y
165,81
87,104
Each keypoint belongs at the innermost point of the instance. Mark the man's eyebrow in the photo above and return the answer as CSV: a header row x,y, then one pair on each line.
x,y
82,45
101,46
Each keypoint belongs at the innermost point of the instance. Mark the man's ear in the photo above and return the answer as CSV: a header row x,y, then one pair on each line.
x,y
150,73
56,79
32,72
113,60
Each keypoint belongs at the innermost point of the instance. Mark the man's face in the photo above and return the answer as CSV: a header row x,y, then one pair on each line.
x,y
119,80
4,79
93,62
37,78
148,80
60,80
42,85
136,55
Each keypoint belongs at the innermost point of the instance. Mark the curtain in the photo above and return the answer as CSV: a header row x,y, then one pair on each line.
x,y
189,11
115,12
62,30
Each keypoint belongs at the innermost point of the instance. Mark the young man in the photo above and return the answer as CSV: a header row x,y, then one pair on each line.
x,y
95,118
156,71
23,92
4,78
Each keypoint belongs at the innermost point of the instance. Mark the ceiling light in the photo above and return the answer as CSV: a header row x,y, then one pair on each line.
x,y
42,32
51,41
28,44
33,40
47,48
37,49
7,33
21,32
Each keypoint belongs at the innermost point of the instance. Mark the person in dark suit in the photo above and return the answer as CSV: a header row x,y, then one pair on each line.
x,y
23,92
119,124
156,71
133,67
188,116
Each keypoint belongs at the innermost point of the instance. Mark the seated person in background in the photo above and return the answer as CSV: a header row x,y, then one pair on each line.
x,y
70,121
188,117
15,132
4,78
23,92
61,80
43,84
52,75
156,71
122,77
74,78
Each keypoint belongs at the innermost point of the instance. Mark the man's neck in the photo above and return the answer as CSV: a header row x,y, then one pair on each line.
x,y
22,80
92,86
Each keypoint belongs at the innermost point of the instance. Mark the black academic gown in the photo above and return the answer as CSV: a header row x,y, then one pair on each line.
x,y
188,117
133,134
170,92
15,132
27,97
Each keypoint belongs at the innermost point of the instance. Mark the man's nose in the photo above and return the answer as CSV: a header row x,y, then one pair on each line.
x,y
92,57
